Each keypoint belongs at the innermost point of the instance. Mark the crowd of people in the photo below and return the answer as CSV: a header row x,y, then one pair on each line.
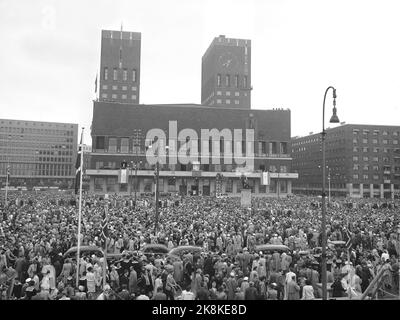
x,y
37,229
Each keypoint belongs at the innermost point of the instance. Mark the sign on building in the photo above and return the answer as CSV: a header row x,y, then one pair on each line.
x,y
265,178
123,176
245,199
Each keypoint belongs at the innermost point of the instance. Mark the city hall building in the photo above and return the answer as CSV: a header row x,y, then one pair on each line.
x,y
241,144
362,161
38,154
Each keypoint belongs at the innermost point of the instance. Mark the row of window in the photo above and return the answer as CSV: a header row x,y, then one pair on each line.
x,y
375,159
227,101
115,87
375,150
115,96
123,75
124,144
111,185
32,169
228,93
227,81
375,141
365,177
375,132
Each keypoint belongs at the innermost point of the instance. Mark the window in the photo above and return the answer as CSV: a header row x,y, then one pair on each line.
x,y
104,95
355,149
219,101
105,87
115,87
105,74
228,93
375,168
365,177
366,167
227,80
124,145
133,97
355,167
227,101
355,158
395,133
385,133
365,159
218,80
236,101
365,140
384,141
355,140
112,145
374,141
237,94
123,96
375,177
219,93
133,76
114,96
365,149
237,81
375,159
134,88
245,82
395,141
124,88
376,132
376,150
125,75
115,76
355,176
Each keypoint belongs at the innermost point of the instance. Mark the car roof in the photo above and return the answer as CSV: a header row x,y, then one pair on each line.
x,y
278,247
83,249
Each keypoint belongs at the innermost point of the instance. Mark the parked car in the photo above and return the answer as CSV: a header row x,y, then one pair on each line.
x,y
180,251
84,250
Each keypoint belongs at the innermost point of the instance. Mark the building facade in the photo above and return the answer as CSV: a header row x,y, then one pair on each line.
x,y
226,73
361,160
38,153
122,133
120,66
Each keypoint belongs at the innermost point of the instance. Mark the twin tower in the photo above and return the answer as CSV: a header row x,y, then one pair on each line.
x,y
225,74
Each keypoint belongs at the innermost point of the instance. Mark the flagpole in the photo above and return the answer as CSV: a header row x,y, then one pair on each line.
x,y
105,252
80,211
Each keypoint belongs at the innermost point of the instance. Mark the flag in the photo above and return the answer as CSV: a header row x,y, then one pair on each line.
x,y
78,167
95,85
104,224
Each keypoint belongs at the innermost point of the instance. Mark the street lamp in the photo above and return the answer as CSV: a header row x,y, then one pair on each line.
x,y
334,119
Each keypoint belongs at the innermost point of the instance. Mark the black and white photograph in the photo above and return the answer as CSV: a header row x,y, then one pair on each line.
x,y
221,152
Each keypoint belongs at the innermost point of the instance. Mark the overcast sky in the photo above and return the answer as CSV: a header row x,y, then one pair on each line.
x,y
50,55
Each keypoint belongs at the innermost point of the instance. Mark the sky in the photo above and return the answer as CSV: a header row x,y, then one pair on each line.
x,y
50,55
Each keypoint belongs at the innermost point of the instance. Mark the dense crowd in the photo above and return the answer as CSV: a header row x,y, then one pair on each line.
x,y
37,229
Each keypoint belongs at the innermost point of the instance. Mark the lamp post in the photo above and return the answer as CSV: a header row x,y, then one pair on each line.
x,y
334,119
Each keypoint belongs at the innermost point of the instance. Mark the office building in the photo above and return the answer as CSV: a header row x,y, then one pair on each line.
x,y
38,153
361,160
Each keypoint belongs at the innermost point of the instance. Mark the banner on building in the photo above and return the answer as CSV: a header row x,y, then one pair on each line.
x,y
265,178
123,176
